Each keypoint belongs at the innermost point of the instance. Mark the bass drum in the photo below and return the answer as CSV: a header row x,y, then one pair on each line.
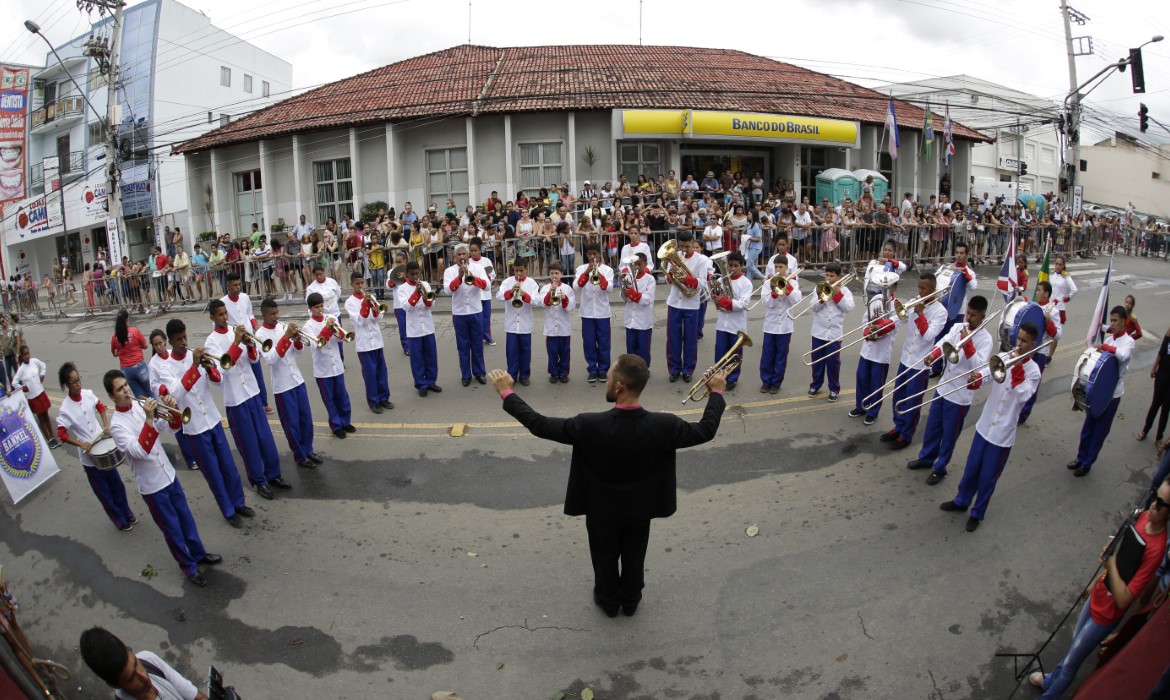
x,y
1018,312
106,455
1094,380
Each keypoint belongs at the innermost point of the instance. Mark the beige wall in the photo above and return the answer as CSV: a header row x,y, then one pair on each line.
x,y
1119,173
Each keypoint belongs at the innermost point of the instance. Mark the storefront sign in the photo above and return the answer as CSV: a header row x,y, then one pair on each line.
x,y
13,113
117,251
32,218
688,123
85,204
51,167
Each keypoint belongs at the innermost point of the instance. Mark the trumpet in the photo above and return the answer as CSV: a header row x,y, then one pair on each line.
x,y
676,270
382,308
997,367
468,278
728,363
557,295
265,345
306,338
168,412
823,293
517,299
427,292
205,360
347,336
775,285
594,274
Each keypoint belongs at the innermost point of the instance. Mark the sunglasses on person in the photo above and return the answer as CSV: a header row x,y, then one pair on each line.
x,y
1159,502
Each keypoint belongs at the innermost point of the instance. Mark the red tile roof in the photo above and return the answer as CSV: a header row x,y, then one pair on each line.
x,y
476,80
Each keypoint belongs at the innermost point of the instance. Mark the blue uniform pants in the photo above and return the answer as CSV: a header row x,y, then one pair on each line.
x,y
259,372
469,344
111,493
870,376
1041,361
254,440
336,399
937,367
985,463
774,358
723,342
374,375
682,342
424,361
297,421
486,319
944,422
595,332
638,343
185,448
831,366
702,319
906,423
1093,434
400,314
214,457
557,348
173,516
518,349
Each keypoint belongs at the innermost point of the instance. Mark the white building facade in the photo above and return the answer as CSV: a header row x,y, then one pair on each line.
x,y
1120,171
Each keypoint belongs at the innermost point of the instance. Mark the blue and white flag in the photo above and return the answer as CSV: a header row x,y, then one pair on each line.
x,y
1007,273
892,138
1100,317
25,459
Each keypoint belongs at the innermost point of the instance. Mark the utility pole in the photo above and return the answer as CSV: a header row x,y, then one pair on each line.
x,y
108,60
1073,120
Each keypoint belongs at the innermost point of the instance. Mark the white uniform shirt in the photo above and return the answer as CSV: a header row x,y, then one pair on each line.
x,y
1123,350
1062,287
829,317
239,383
154,370
330,292
981,345
79,417
1052,312
920,337
594,298
897,267
30,377
282,358
558,319
392,292
192,391
643,248
240,312
326,359
152,470
639,315
700,266
172,686
881,349
997,422
776,319
489,271
365,321
465,298
418,315
518,320
741,295
770,270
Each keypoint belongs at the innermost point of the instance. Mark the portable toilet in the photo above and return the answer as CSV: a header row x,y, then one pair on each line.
x,y
881,186
837,184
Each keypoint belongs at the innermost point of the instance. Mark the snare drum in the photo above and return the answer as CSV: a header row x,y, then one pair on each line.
x,y
1018,312
106,455
1094,380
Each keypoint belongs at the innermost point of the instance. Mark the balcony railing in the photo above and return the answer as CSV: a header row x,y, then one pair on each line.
x,y
64,108
72,167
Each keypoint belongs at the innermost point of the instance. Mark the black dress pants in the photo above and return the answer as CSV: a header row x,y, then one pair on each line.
x,y
611,542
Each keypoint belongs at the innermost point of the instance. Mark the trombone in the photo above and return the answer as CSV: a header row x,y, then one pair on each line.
x,y
728,363
167,411
775,285
998,370
823,293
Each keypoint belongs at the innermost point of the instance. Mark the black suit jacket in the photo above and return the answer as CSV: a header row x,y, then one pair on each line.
x,y
623,460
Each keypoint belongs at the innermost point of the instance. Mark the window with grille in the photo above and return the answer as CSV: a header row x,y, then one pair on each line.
x,y
540,166
334,185
225,76
447,177
265,88
249,201
640,158
247,83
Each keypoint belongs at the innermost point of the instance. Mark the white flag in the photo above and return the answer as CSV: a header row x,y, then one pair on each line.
x,y
26,461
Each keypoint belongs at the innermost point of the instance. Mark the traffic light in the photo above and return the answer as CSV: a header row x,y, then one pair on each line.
x,y
1143,118
1137,73
1023,168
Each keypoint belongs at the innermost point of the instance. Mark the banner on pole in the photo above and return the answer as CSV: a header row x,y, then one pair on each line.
x,y
26,461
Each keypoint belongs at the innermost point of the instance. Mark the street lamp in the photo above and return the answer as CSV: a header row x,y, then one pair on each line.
x,y
36,29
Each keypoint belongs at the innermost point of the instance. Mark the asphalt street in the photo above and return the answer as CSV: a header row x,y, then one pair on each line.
x,y
430,552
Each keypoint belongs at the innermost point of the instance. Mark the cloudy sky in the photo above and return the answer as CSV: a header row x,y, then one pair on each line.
x,y
1018,43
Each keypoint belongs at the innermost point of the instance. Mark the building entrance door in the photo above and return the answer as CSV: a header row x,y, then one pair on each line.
x,y
697,161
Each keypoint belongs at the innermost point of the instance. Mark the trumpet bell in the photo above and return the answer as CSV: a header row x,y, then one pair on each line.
x,y
226,361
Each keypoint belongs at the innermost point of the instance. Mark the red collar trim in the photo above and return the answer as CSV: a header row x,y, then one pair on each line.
x,y
270,327
318,318
164,355
407,281
76,397
234,298
124,409
217,329
359,295
737,276
1118,335
642,273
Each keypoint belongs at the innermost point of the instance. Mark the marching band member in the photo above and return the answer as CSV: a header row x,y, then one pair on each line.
x,y
1063,287
923,325
475,247
30,377
1054,329
1095,430
637,246
995,433
732,314
777,326
241,313
288,386
467,314
594,311
954,300
781,253
880,333
135,430
639,308
328,368
886,263
420,330
154,368
518,320
330,292
944,422
241,399
828,320
363,312
187,378
399,312
558,323
682,312
81,422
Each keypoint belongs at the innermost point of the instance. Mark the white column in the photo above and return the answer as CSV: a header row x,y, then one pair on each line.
x,y
266,187
472,176
355,170
796,183
300,204
509,175
214,191
391,192
573,153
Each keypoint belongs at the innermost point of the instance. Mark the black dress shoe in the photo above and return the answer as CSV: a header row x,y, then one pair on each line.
x,y
673,378
317,458
609,610
134,521
387,404
340,434
279,483
197,579
934,478
686,377
592,379
899,444
553,379
349,428
952,507
918,464
1075,464
376,408
731,386
307,463
890,436
435,388
564,380
236,521
211,559
264,491
524,381
628,609
481,379
972,524
467,381
1080,471
422,392
246,511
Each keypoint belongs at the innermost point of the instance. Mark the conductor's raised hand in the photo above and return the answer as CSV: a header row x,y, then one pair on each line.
x,y
718,381
501,380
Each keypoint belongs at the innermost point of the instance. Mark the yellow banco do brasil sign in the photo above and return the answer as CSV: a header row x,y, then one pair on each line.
x,y
692,123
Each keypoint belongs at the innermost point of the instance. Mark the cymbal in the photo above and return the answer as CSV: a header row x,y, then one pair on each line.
x,y
398,274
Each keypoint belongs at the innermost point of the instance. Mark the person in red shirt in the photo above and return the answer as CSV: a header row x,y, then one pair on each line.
x,y
1110,597
1132,327
127,345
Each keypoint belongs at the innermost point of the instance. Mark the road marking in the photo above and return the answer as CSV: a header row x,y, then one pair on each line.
x,y
1099,280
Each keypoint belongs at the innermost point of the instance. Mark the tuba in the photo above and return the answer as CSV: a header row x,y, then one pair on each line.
x,y
676,269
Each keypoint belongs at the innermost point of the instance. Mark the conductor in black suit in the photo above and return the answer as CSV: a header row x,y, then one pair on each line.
x,y
622,471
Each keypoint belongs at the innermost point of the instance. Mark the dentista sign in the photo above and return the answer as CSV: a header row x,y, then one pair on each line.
x,y
751,126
